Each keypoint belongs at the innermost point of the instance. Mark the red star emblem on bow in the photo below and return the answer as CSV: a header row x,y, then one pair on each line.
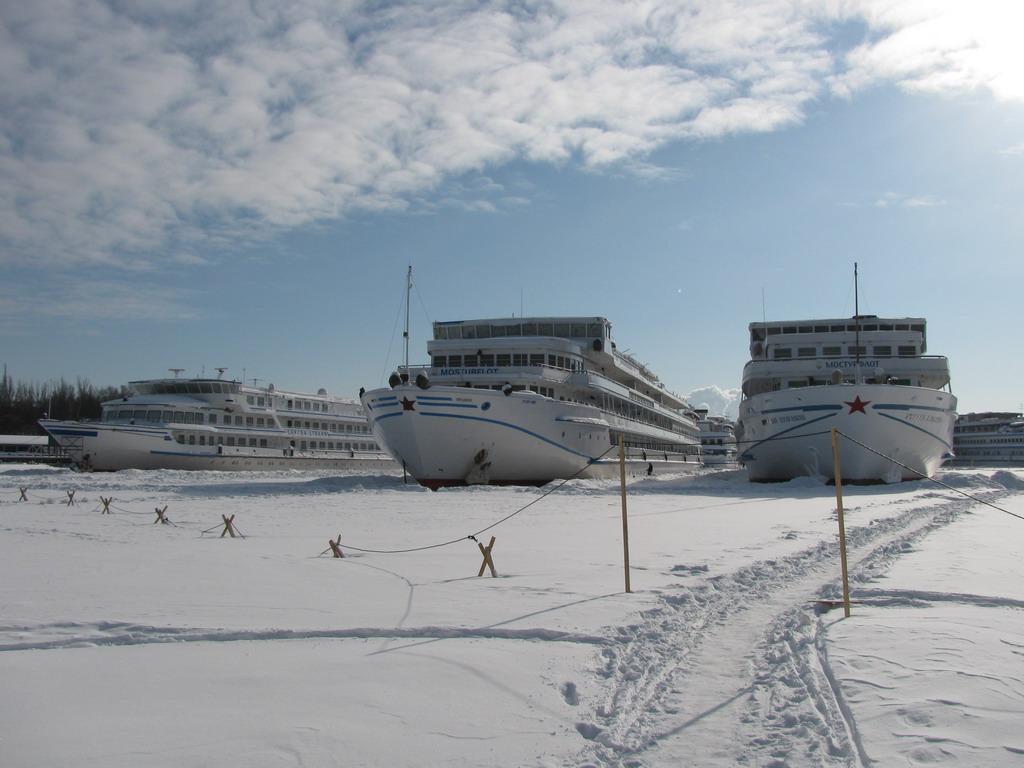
x,y
858,405
407,404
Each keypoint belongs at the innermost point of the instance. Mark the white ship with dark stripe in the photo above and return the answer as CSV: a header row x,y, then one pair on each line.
x,y
526,401
867,377
217,424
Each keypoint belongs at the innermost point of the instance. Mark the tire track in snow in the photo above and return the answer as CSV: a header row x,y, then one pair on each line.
x,y
731,671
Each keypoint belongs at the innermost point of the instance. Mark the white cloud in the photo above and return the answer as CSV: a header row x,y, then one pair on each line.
x,y
716,401
136,132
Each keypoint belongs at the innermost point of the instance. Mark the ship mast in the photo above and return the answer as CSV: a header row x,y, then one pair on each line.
x,y
856,322
405,334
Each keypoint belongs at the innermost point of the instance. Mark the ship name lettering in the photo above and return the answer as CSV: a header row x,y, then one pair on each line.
x,y
784,419
926,417
850,364
462,371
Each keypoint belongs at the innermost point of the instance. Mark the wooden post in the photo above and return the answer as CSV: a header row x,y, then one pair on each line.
x,y
229,528
488,562
24,497
71,498
842,523
625,522
336,547
160,516
106,505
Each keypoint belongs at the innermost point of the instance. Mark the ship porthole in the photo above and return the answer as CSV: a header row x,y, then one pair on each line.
x,y
485,407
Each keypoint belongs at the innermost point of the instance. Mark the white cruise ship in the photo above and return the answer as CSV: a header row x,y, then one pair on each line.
x,y
526,400
867,377
218,424
717,439
989,438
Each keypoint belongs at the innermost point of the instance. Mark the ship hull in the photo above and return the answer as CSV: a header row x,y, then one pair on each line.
x,y
450,436
887,433
108,448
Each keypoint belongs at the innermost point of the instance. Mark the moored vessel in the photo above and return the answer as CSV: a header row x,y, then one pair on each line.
x,y
867,377
990,438
527,400
218,424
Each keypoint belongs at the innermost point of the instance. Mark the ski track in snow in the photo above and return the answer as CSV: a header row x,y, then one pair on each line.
x,y
765,623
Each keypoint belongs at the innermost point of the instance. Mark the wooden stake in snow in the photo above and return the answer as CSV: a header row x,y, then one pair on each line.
x,y
336,547
625,523
71,498
161,516
488,562
106,505
842,523
24,492
229,527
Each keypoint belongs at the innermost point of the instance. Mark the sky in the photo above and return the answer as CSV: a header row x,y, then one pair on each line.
x,y
243,185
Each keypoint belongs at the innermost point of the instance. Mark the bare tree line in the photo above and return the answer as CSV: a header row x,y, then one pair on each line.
x,y
22,404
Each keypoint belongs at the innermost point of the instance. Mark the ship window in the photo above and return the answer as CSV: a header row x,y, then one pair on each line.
x,y
561,329
536,359
471,360
483,331
250,400
831,351
193,389
213,418
487,360
838,328
871,327
229,441
263,443
545,329
181,439
861,350
805,329
248,421
469,332
518,359
918,328
782,353
579,330
806,352
206,389
191,439
455,361
821,329
167,417
438,361
529,329
504,360
882,351
596,330
907,351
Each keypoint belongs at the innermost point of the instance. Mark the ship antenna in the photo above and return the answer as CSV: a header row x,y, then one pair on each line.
x,y
220,373
405,334
176,371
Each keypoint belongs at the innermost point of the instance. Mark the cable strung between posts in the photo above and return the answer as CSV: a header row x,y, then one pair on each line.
x,y
472,536
925,477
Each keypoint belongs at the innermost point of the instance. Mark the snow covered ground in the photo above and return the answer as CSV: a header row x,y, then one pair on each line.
x,y
127,642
